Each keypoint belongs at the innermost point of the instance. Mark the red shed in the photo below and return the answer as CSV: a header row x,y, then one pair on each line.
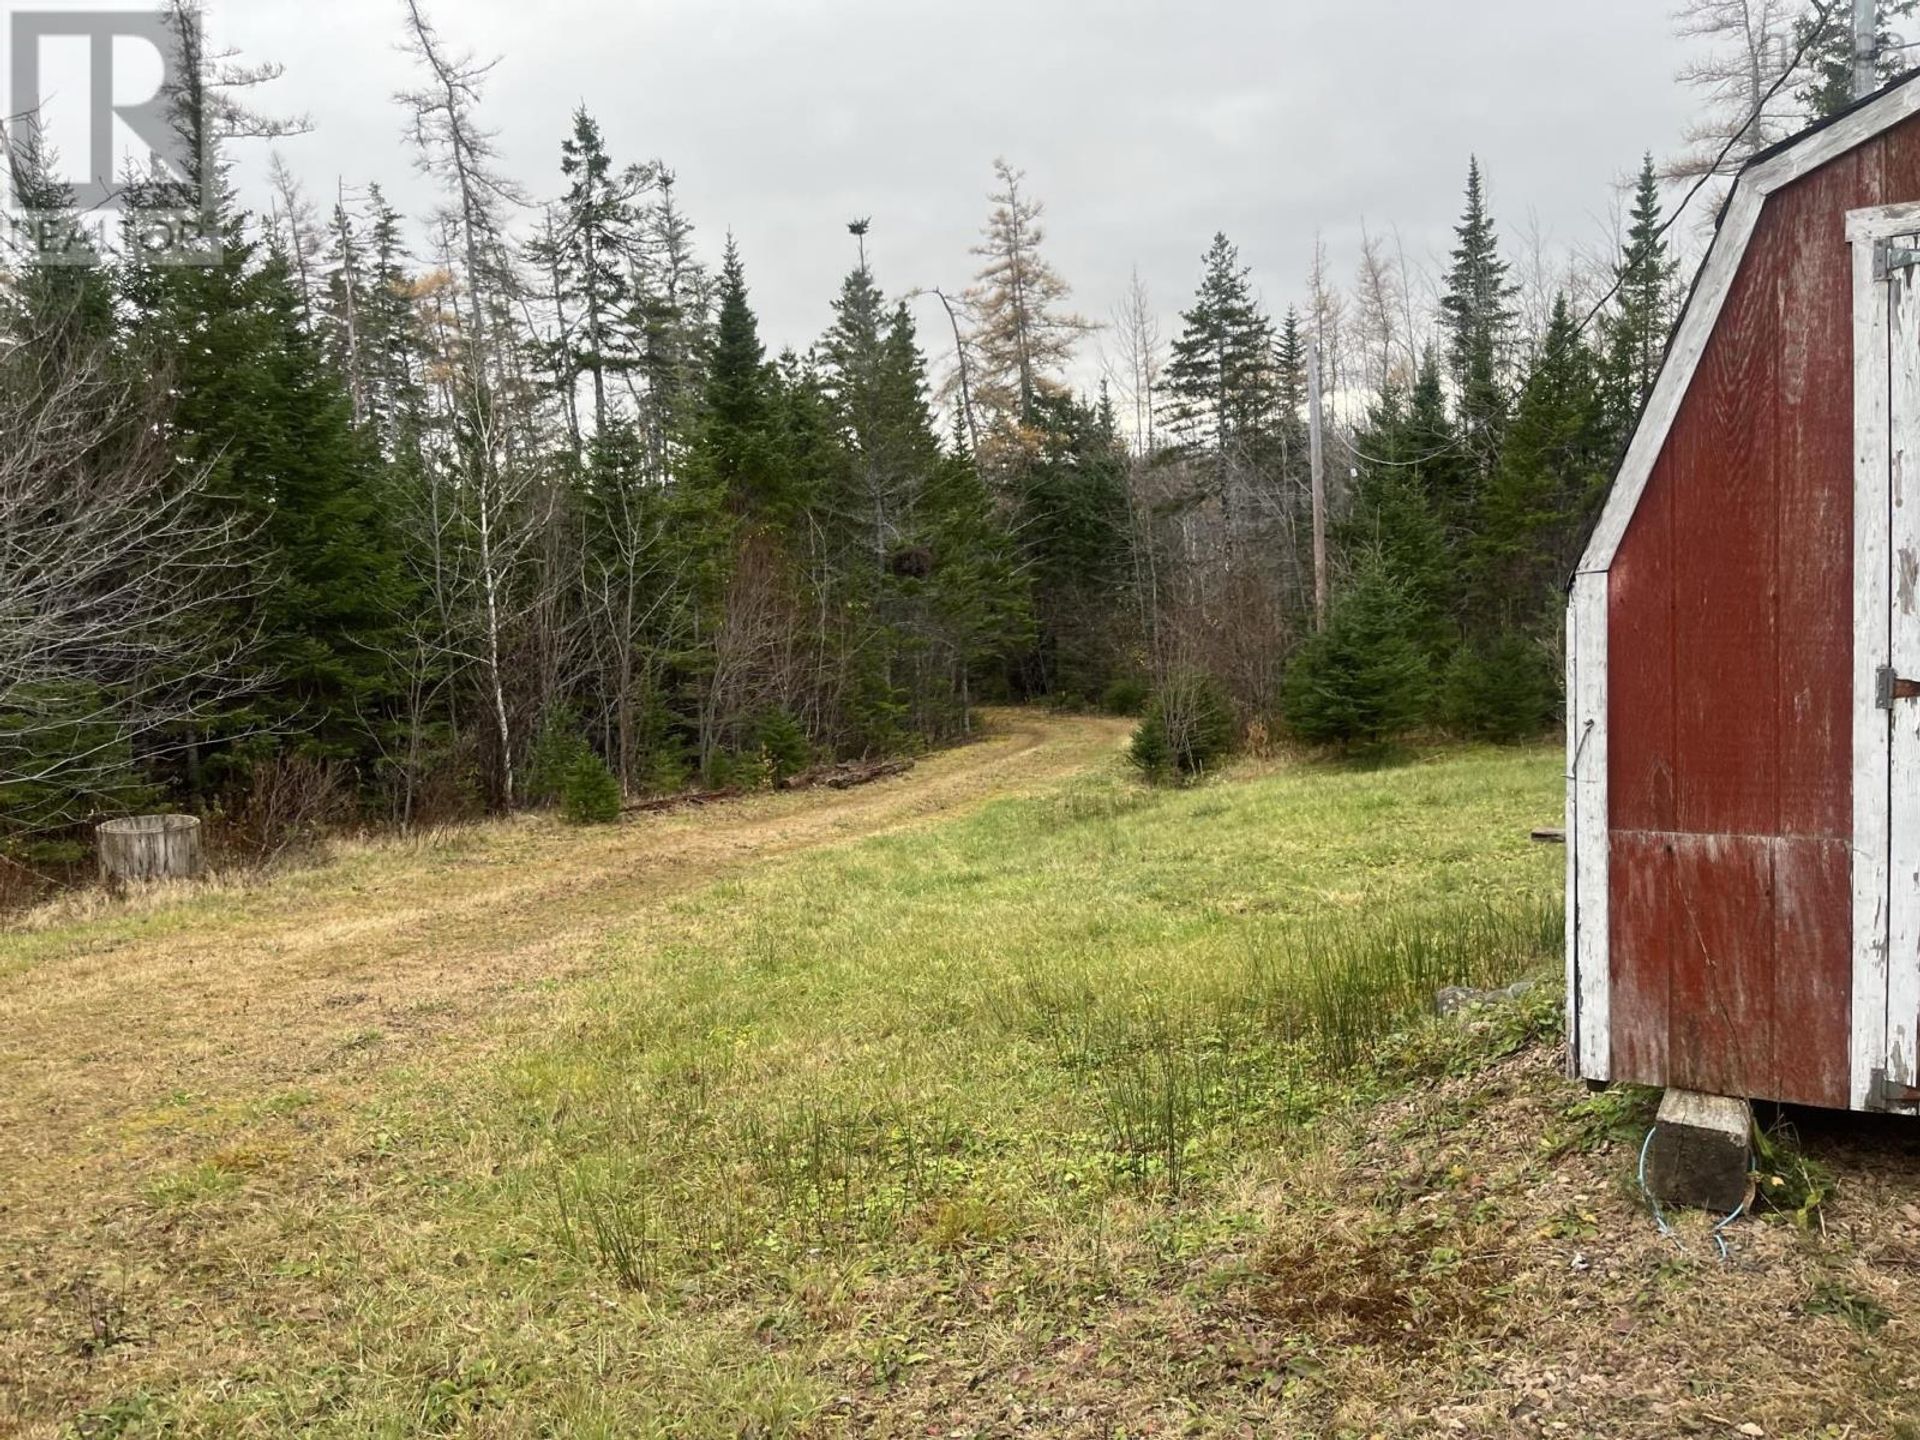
x,y
1743,646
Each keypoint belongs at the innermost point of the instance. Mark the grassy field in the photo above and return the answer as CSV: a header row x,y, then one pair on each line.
x,y
1007,1098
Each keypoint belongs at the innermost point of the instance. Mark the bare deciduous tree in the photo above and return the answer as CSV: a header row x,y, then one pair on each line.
x,y
495,498
1380,303
1747,47
110,572
1134,363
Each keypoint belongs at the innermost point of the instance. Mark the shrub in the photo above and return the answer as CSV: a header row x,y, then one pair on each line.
x,y
1503,689
556,751
289,805
663,768
1126,696
1189,727
589,794
782,742
1364,679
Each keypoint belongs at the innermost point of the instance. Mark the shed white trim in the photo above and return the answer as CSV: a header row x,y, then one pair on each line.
x,y
1589,958
1872,605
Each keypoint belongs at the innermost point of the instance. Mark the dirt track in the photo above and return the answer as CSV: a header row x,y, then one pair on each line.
x,y
395,951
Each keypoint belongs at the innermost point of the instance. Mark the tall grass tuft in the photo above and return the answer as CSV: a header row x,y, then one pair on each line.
x,y
1308,1009
604,1215
1346,986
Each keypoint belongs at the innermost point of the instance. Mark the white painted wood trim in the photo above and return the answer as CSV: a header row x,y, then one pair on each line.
x,y
1902,652
1589,839
1882,222
1831,141
1872,606
1575,729
1729,248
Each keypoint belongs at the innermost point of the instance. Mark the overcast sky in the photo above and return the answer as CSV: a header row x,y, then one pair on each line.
x,y
1145,125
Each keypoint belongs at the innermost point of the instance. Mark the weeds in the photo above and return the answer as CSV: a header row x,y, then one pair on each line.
x,y
1786,1180
1860,1310
1170,1083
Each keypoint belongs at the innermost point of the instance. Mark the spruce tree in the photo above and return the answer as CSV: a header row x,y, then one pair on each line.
x,y
1290,389
259,410
672,295
1827,39
1222,376
1408,461
1637,328
1553,472
1476,311
873,372
1364,679
1072,518
597,233
392,348
734,458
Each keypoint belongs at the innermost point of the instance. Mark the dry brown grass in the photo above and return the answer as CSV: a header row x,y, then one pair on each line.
x,y
277,1154
1472,1259
137,1027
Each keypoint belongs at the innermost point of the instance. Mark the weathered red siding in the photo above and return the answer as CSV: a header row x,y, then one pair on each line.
x,y
1730,618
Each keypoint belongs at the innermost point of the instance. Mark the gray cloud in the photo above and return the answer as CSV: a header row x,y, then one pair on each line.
x,y
1145,124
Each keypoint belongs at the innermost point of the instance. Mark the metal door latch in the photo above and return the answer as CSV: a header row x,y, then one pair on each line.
x,y
1889,257
1892,687
1889,1094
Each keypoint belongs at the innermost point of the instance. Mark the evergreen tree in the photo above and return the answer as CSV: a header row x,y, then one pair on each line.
x,y
597,232
1504,687
1364,679
339,305
1827,39
1636,330
978,597
1290,391
1413,503
672,293
875,376
1222,376
259,410
1553,472
392,349
1393,518
735,458
929,568
1477,314
1073,523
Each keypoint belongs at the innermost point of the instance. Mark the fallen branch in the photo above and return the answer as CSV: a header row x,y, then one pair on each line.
x,y
689,800
848,776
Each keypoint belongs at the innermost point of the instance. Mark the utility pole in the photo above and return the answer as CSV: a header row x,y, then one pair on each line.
x,y
1866,48
1316,432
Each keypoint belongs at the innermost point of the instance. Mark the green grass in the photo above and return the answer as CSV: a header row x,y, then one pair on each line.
x,y
855,1113
1015,1016
1001,1038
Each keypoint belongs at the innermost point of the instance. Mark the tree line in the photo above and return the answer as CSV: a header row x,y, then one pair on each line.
x,y
352,518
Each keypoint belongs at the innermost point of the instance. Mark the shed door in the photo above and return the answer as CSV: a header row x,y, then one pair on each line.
x,y
1897,673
